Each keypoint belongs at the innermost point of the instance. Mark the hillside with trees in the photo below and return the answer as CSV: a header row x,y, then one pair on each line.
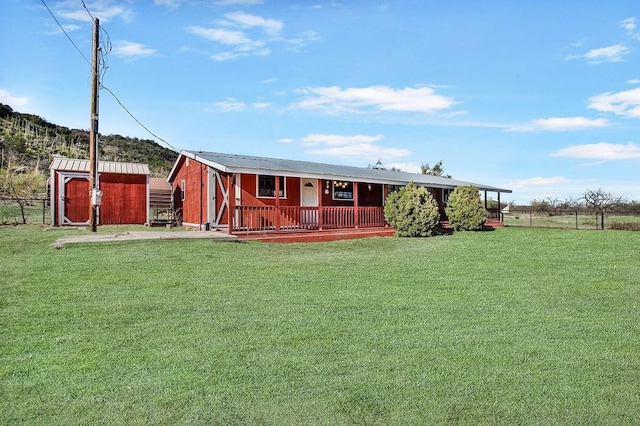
x,y
31,142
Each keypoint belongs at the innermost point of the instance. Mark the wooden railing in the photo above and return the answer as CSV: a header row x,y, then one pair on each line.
x,y
269,218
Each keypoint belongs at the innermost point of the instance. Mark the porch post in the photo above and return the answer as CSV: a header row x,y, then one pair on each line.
x,y
356,210
485,200
499,208
278,203
321,184
230,203
384,198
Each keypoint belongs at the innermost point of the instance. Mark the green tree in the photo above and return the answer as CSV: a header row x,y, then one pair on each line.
x,y
20,186
412,211
436,170
465,209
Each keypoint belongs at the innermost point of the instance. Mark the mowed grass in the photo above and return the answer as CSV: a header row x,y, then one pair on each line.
x,y
515,326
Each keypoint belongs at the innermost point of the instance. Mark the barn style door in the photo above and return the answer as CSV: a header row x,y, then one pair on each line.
x,y
74,200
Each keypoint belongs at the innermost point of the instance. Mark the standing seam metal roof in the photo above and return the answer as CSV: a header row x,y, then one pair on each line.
x,y
245,163
80,165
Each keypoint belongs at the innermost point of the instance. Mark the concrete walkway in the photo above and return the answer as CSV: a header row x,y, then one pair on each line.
x,y
144,235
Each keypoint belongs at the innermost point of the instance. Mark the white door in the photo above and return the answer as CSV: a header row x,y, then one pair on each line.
x,y
308,199
309,192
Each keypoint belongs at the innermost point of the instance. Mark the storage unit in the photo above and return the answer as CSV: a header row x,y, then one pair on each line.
x,y
124,186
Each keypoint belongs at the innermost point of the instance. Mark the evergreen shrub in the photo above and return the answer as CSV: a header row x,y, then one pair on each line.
x,y
412,211
465,210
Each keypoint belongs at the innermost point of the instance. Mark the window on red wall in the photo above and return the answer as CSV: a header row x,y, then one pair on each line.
x,y
342,190
267,186
183,188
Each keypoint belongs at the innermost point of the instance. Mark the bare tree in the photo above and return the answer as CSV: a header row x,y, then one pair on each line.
x,y
20,185
600,200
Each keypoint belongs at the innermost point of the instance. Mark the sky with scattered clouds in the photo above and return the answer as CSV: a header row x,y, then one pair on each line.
x,y
540,97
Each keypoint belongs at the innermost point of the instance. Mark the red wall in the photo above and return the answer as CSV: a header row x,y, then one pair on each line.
x,y
249,192
194,206
124,199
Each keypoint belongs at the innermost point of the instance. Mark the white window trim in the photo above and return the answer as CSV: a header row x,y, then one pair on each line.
x,y
272,197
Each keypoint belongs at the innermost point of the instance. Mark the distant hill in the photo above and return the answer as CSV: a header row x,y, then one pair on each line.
x,y
33,141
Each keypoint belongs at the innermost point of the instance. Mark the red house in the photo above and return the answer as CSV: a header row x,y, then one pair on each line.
x,y
245,193
124,186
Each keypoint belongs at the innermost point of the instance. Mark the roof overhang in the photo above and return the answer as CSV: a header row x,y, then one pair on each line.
x,y
331,172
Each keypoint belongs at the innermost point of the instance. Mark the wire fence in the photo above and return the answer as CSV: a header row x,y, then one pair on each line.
x,y
36,211
572,219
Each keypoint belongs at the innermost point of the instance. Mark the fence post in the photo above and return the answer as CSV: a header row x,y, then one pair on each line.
x,y
530,218
576,219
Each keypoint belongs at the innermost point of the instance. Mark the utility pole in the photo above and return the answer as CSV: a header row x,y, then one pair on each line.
x,y
93,132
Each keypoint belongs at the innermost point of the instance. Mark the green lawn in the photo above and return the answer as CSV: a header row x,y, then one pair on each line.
x,y
515,326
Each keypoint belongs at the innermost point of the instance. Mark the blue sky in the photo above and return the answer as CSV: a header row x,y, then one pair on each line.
x,y
542,97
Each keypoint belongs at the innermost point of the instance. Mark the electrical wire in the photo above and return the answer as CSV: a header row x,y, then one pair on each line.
x,y
65,32
136,120
105,50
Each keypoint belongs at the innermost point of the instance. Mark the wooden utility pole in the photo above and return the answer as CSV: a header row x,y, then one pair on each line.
x,y
93,132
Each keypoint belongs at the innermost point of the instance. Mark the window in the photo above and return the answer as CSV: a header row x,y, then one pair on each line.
x,y
342,190
445,195
183,188
394,188
267,186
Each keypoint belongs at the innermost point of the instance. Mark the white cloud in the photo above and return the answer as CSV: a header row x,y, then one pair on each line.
x,y
17,103
105,10
319,139
286,140
625,103
537,182
601,151
629,24
601,55
132,50
245,34
229,37
270,26
237,2
230,105
377,98
360,146
634,81
559,124
261,105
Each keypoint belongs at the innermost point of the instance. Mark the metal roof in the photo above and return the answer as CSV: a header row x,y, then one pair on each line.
x,y
79,165
232,163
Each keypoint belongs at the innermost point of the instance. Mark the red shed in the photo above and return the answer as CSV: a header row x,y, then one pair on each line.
x,y
124,186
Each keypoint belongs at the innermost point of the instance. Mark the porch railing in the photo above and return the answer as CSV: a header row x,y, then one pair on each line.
x,y
291,218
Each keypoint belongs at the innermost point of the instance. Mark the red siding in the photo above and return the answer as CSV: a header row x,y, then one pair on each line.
x,y
124,199
194,207
250,198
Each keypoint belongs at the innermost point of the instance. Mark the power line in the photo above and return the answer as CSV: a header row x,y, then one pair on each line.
x,y
65,32
138,121
104,51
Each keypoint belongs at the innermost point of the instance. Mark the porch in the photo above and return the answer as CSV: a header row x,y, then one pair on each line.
x,y
297,218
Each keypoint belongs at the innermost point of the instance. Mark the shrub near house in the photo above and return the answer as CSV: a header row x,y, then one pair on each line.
x,y
465,210
412,211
